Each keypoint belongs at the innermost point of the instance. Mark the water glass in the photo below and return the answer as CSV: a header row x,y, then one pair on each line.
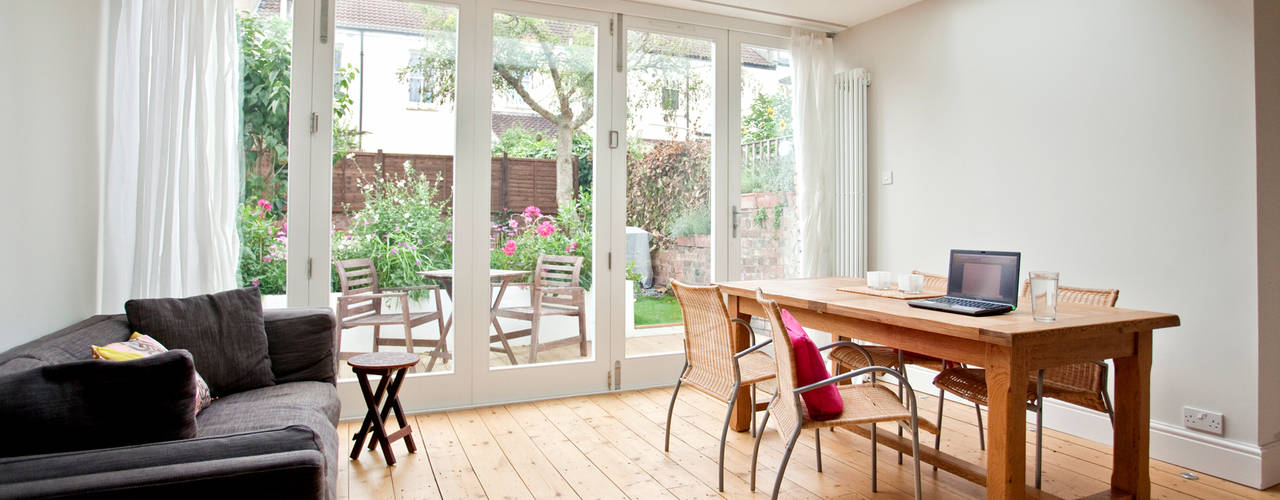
x,y
1044,296
880,280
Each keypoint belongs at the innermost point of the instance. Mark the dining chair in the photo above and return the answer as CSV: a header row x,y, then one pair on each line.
x,y
553,291
847,358
1082,384
361,305
710,364
864,403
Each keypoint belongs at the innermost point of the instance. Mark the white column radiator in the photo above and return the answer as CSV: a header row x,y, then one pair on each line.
x,y
851,172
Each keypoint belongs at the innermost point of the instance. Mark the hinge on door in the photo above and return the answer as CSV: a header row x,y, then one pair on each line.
x,y
611,26
613,139
610,263
608,380
619,51
315,122
309,267
734,215
617,375
324,21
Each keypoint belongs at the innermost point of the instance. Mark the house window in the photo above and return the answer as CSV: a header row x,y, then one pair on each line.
x,y
419,90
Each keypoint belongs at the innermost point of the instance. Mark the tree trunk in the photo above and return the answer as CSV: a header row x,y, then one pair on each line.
x,y
566,163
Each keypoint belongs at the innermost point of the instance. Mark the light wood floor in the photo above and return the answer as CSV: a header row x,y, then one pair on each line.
x,y
610,446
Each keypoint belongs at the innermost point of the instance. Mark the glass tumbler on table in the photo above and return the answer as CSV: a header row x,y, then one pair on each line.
x,y
1044,296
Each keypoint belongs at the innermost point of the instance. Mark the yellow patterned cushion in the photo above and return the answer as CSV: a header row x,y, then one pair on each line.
x,y
140,346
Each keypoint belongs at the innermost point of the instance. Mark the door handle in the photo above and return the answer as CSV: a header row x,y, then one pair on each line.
x,y
734,216
613,139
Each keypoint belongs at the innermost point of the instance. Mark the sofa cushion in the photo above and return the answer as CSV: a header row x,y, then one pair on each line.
x,y
224,332
81,405
65,345
311,404
140,346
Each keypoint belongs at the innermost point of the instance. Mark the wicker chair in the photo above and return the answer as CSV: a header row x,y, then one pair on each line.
x,y
361,305
868,403
710,364
847,358
1081,384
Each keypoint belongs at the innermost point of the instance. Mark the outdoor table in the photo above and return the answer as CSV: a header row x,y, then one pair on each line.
x,y
503,278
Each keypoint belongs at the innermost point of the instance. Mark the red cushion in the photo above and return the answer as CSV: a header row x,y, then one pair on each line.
x,y
823,403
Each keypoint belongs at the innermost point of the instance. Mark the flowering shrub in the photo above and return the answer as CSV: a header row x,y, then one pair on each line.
x,y
263,248
517,243
405,227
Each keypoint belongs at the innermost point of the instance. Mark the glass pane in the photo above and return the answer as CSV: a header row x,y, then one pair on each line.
x,y
670,109
541,239
394,124
768,233
266,54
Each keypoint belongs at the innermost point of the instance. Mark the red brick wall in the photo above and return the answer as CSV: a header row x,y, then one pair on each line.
x,y
769,245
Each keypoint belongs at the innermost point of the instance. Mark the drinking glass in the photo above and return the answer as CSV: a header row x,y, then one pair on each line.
x,y
1044,296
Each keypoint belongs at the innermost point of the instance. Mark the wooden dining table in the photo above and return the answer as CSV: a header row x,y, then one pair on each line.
x,y
1012,347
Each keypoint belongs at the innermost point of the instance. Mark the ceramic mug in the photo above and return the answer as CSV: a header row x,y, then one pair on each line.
x,y
911,283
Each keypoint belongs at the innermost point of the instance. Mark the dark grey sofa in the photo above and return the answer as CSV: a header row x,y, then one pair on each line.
x,y
279,441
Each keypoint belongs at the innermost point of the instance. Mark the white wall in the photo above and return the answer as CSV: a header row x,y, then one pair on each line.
x,y
49,193
1111,141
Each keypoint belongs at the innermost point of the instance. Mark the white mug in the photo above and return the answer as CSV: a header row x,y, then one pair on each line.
x,y
880,280
911,283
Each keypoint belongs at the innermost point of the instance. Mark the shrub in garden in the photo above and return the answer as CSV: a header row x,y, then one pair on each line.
x,y
405,227
516,243
664,182
263,238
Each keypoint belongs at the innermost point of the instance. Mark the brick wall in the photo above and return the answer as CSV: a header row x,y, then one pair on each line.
x,y
768,237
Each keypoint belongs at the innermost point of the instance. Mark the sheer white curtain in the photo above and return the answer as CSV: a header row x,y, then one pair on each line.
x,y
814,110
171,173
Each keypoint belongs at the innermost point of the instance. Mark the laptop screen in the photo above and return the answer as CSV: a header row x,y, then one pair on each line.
x,y
984,275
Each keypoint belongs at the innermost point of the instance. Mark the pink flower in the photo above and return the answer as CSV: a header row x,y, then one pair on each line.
x,y
255,283
573,246
266,258
509,248
513,224
264,204
532,211
546,229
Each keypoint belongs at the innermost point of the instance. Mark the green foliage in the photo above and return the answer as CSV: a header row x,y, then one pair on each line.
x,y
265,59
694,221
660,310
664,180
761,217
668,71
405,227
769,116
517,242
770,175
263,248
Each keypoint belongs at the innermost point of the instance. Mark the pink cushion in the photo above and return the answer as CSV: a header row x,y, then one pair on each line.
x,y
823,403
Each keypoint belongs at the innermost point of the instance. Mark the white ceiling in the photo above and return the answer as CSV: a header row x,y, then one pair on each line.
x,y
825,15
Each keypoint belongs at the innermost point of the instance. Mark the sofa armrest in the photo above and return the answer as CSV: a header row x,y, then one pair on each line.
x,y
287,462
301,343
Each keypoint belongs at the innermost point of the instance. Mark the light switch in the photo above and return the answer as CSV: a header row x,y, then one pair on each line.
x,y
887,178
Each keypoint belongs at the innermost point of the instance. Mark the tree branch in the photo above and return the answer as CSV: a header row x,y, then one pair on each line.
x,y
587,111
517,85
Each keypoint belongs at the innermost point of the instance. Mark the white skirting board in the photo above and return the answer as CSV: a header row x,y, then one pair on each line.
x,y
1231,460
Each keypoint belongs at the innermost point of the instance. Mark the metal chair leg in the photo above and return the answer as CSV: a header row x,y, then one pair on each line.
x,y
937,438
817,445
874,447
724,435
782,467
753,410
1039,423
671,408
755,450
1111,410
903,370
982,439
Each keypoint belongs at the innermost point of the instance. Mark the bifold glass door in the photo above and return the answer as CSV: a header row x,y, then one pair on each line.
x,y
523,183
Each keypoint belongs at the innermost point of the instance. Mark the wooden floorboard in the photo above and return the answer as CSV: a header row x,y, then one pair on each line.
x,y
611,446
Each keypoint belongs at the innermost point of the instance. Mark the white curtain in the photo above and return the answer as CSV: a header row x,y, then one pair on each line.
x,y
171,173
814,110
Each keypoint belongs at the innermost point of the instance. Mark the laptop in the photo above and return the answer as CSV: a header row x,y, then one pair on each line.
x,y
979,283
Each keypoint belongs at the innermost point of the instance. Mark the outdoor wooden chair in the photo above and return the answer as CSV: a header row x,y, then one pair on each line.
x,y
553,291
1081,384
710,365
361,305
848,358
864,403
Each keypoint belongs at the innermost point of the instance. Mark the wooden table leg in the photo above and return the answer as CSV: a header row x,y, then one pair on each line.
x,y
371,422
442,347
1007,438
740,421
1130,471
493,320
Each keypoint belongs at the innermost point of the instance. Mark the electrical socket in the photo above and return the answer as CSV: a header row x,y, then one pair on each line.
x,y
1202,420
887,178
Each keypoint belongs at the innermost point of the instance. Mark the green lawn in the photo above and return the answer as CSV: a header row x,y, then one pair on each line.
x,y
657,310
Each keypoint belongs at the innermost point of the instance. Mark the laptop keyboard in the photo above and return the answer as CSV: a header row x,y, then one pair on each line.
x,y
956,301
